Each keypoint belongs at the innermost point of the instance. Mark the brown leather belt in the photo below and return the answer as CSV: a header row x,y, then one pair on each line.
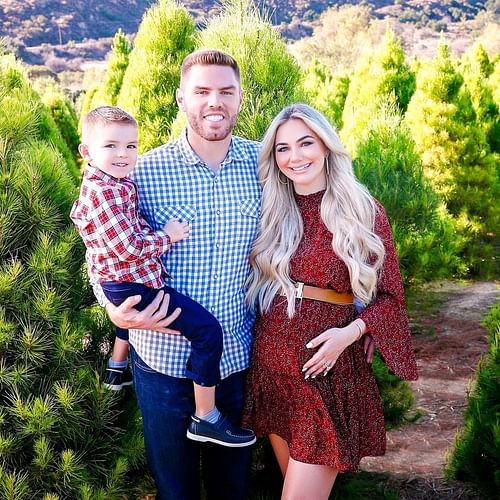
x,y
303,291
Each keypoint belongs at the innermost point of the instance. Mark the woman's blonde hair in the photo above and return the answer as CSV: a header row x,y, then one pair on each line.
x,y
347,210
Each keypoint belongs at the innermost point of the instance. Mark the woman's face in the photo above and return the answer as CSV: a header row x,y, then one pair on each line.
x,y
300,155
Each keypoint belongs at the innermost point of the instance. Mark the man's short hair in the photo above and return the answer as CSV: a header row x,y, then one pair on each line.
x,y
104,115
209,57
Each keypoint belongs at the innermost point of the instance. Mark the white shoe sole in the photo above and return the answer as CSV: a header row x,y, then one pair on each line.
x,y
206,439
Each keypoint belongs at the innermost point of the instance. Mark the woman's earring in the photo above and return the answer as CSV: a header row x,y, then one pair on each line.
x,y
285,182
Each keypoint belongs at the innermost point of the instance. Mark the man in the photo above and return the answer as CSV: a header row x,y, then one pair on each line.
x,y
208,179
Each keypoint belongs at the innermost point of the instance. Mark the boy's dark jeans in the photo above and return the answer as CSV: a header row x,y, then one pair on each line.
x,y
195,323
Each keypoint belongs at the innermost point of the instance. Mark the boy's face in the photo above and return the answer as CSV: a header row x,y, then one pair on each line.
x,y
211,96
111,148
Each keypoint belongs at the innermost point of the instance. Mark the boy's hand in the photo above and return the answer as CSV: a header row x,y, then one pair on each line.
x,y
176,230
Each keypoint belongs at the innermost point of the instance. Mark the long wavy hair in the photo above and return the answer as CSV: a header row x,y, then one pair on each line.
x,y
347,210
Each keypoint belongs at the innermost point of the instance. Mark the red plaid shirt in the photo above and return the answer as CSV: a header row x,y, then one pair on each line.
x,y
121,246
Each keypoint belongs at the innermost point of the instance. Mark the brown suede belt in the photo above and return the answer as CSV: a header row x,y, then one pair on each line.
x,y
322,294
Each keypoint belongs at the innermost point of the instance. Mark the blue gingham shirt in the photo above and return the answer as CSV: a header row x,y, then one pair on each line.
x,y
211,266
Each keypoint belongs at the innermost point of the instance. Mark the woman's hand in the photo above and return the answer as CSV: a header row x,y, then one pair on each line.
x,y
153,317
331,344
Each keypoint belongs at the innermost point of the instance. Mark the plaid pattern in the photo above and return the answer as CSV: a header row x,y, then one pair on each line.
x,y
120,244
211,266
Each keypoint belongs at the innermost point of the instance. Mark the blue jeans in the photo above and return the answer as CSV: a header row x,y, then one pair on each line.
x,y
195,323
166,404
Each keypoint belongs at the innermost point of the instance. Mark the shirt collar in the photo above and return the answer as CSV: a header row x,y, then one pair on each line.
x,y
235,152
96,173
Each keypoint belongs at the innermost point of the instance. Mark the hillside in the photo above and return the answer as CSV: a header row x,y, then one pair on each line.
x,y
27,23
67,34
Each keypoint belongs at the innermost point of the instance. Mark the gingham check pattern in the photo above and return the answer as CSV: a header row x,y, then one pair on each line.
x,y
120,244
211,266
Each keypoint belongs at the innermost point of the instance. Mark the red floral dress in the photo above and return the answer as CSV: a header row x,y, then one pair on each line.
x,y
334,420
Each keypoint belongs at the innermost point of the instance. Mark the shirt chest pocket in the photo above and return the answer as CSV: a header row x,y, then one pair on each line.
x,y
185,213
250,207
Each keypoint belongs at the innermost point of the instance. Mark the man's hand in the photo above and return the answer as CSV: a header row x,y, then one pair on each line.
x,y
154,317
368,347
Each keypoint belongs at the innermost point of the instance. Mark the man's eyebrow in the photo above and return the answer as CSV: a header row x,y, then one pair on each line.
x,y
201,87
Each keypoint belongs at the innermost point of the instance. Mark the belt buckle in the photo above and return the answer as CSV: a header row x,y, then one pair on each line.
x,y
299,289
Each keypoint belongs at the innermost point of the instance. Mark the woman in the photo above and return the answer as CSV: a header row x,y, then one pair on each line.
x,y
325,247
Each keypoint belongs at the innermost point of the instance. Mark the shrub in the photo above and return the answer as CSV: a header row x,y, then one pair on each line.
x,y
60,431
475,454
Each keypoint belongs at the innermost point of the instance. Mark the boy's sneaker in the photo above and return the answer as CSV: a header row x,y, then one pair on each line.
x,y
117,378
222,432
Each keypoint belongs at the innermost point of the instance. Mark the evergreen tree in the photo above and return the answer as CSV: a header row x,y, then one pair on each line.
x,y
326,91
164,38
270,76
62,112
60,434
494,82
11,75
107,93
381,76
475,454
454,149
387,163
476,68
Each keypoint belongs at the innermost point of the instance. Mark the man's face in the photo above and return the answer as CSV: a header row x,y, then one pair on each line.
x,y
211,97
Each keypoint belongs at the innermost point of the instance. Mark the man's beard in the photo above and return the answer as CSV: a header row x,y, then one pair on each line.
x,y
197,123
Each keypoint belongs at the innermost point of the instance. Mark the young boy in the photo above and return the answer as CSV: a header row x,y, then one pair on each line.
x,y
123,254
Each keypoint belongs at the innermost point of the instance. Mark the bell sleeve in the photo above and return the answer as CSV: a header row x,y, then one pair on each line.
x,y
386,316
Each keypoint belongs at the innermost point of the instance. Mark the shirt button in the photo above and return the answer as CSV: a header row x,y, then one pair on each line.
x,y
217,245
212,309
216,180
216,276
218,212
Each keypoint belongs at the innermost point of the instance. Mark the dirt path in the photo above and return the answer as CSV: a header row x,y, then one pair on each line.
x,y
447,358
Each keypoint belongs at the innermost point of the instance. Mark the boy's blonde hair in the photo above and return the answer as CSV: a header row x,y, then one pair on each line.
x,y
104,115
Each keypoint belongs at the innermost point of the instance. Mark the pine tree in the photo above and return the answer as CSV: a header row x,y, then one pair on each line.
x,y
117,65
107,93
454,149
388,164
494,82
476,68
270,76
475,453
64,116
326,91
164,38
60,433
381,76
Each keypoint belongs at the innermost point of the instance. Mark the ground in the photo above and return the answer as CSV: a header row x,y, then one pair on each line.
x,y
447,353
